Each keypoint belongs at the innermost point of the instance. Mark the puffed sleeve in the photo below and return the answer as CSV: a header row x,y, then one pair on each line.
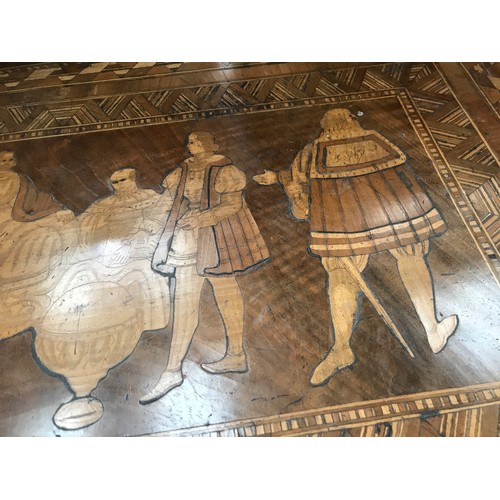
x,y
230,179
229,183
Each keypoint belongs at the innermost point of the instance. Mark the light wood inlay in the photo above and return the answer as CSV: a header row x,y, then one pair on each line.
x,y
248,249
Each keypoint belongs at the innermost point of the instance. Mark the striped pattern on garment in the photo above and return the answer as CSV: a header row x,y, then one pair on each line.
x,y
239,242
379,239
367,202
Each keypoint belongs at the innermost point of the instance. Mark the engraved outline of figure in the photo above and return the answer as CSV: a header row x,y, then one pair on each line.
x,y
108,220
30,221
117,237
30,204
210,235
401,219
81,338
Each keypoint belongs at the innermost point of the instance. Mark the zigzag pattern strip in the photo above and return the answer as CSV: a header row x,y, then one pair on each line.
x,y
450,126
181,109
464,150
463,204
205,97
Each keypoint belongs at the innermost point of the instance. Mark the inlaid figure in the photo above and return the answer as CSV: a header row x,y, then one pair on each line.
x,y
32,224
210,235
107,296
120,233
361,197
118,228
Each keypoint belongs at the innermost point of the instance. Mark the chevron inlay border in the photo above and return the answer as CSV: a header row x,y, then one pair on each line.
x,y
472,169
463,204
196,102
463,161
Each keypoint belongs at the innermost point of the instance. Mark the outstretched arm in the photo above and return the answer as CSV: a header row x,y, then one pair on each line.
x,y
268,178
294,181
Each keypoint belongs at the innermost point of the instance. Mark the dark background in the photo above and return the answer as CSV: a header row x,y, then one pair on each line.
x,y
287,317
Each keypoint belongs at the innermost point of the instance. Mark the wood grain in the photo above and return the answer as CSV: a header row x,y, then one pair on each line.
x,y
88,320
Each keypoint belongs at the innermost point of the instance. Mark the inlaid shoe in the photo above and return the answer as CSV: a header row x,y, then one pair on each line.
x,y
230,363
168,380
442,332
335,361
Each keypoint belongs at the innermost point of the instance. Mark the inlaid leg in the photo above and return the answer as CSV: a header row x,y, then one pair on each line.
x,y
186,313
343,293
230,303
417,279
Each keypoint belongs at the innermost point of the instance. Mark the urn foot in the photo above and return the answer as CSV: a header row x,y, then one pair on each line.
x,y
81,412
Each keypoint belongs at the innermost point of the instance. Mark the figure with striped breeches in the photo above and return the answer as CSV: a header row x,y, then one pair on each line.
x,y
360,197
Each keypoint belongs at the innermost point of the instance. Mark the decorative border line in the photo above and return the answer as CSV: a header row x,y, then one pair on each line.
x,y
462,204
53,75
479,88
197,115
353,414
471,119
460,200
379,411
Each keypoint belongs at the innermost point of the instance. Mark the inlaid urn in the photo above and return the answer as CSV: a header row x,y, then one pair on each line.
x,y
81,337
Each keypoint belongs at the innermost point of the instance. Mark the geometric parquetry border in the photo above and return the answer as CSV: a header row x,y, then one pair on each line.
x,y
464,206
428,92
455,412
38,116
191,115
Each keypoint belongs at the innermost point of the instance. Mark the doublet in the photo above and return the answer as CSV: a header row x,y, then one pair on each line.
x,y
361,195
232,244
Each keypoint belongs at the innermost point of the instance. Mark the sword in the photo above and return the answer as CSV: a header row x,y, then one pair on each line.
x,y
354,272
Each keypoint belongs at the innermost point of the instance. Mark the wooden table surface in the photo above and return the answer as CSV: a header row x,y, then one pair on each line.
x,y
90,322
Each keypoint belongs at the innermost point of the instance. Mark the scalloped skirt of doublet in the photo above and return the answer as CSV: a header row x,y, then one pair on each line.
x,y
371,213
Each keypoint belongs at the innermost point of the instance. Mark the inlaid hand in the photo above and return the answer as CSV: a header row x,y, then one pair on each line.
x,y
267,178
189,220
